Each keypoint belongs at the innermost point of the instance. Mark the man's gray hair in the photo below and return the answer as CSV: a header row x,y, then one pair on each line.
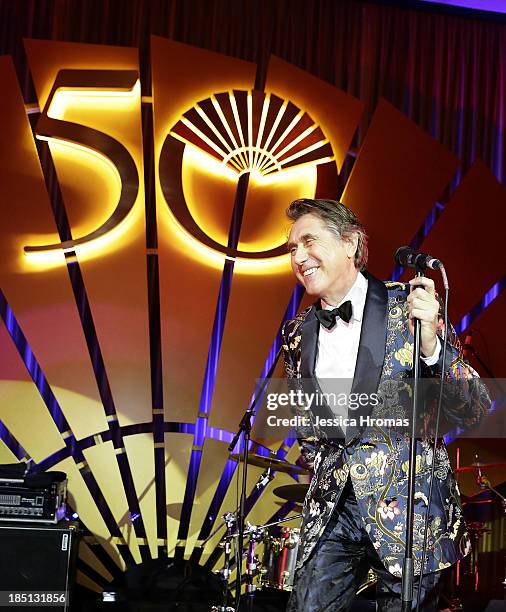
x,y
339,219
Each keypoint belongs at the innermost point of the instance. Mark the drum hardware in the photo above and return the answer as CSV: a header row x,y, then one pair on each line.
x,y
275,464
224,522
265,479
230,521
476,531
256,534
253,529
283,520
484,483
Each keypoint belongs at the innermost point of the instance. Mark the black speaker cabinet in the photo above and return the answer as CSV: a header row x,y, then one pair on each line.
x,y
38,558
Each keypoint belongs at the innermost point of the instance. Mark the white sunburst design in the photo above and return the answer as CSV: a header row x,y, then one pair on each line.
x,y
255,132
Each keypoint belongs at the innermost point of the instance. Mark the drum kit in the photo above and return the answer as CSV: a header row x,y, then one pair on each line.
x,y
478,513
273,570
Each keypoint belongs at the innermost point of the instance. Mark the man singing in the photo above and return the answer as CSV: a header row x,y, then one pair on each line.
x,y
361,330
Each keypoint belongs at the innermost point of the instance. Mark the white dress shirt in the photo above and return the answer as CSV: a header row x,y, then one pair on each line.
x,y
338,347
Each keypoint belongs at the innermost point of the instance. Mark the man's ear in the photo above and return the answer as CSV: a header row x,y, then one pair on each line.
x,y
351,243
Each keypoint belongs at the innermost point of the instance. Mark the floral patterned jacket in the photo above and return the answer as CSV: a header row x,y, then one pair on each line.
x,y
376,458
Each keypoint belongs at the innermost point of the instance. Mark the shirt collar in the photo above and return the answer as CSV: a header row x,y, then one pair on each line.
x,y
356,295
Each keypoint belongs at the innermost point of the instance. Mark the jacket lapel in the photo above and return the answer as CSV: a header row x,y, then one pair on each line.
x,y
309,348
309,344
371,350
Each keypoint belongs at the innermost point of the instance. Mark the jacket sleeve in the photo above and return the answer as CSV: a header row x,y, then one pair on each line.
x,y
306,434
466,399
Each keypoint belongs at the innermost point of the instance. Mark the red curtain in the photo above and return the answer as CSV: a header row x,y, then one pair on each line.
x,y
447,73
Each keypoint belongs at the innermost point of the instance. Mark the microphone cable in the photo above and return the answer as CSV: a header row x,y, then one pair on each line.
x,y
436,434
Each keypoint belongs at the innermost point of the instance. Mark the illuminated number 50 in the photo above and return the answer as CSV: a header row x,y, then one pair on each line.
x,y
52,128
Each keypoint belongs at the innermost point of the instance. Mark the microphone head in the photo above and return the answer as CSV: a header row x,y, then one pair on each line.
x,y
431,262
406,256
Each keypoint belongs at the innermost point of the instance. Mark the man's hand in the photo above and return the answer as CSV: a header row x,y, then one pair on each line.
x,y
423,305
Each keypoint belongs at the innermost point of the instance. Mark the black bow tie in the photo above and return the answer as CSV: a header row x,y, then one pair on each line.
x,y
328,317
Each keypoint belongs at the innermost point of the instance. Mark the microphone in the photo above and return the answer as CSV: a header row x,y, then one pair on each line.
x,y
406,256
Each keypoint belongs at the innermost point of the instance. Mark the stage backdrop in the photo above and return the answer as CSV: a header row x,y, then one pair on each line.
x,y
143,273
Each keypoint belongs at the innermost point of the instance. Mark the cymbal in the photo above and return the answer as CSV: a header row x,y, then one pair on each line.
x,y
277,465
295,492
478,465
474,500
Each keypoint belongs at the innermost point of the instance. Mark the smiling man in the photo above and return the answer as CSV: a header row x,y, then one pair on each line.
x,y
326,254
358,337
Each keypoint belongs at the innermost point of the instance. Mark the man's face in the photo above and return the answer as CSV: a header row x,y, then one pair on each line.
x,y
321,261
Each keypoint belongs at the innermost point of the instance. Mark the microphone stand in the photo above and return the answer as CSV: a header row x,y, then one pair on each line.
x,y
408,564
245,429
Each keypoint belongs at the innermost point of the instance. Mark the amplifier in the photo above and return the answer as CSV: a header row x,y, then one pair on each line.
x,y
38,562
44,503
